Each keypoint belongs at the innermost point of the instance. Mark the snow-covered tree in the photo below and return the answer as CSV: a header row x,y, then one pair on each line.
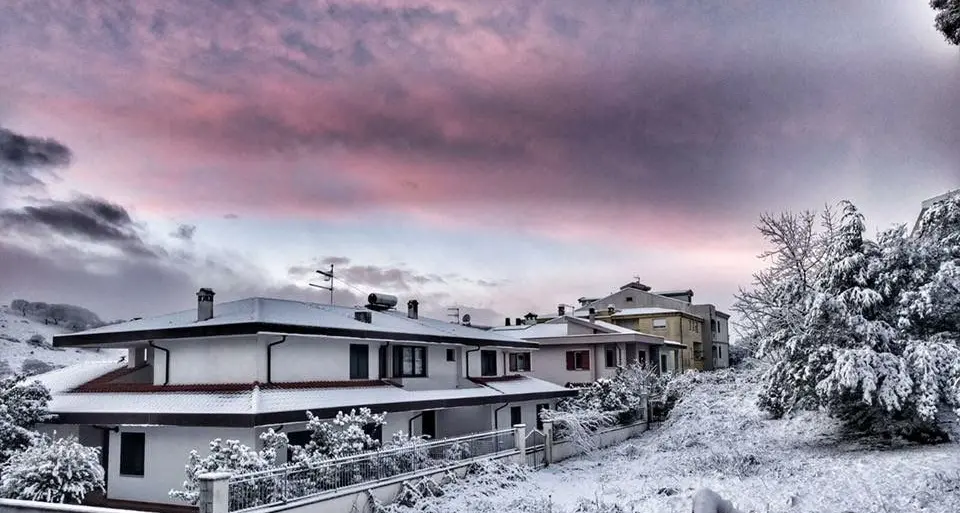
x,y
22,406
52,470
229,456
873,336
344,435
948,19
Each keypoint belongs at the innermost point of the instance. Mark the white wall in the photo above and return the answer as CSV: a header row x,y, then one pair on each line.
x,y
550,364
317,359
211,360
528,413
165,454
441,374
464,420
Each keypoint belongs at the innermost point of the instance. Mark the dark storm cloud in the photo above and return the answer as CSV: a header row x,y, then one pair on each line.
x,y
22,155
85,218
391,278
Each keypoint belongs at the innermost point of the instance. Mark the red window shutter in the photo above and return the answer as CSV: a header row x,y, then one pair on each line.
x,y
570,361
586,360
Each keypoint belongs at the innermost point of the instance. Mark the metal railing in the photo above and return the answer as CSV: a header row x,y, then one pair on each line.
x,y
291,482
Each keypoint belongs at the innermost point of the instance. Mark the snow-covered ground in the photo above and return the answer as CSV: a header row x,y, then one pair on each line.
x,y
717,438
15,330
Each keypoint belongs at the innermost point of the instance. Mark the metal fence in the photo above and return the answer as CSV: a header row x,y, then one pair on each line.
x,y
536,450
291,482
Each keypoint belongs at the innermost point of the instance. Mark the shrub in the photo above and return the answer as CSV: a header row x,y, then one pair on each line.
x,y
52,470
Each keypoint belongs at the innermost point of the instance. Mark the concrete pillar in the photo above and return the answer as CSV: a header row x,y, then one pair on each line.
x,y
520,433
135,357
548,441
214,493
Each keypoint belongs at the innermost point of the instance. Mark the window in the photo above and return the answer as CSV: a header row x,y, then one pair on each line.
x,y
578,360
540,408
359,361
516,416
663,363
720,351
610,356
451,355
409,362
628,299
519,362
132,447
428,424
659,324
488,363
298,438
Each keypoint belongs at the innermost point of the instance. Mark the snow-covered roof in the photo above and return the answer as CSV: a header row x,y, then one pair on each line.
x,y
560,328
649,310
258,401
267,314
613,327
542,330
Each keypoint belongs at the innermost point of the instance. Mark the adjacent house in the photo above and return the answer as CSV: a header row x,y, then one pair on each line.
x,y
574,351
927,203
233,370
705,333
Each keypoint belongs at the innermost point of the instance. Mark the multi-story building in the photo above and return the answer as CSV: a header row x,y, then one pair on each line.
x,y
926,204
260,363
575,351
705,334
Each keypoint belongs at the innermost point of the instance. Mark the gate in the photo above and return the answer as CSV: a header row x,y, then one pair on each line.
x,y
536,450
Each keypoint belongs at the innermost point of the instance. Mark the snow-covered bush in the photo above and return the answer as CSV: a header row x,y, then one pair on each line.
x,y
22,406
52,470
344,435
867,329
37,340
234,457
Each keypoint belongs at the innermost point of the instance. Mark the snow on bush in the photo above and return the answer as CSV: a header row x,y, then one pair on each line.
x,y
867,329
22,406
233,457
52,470
344,435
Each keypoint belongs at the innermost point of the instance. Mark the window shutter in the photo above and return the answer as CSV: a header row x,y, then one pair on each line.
x,y
513,362
586,360
570,360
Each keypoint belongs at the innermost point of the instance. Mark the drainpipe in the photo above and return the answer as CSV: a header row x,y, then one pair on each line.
x,y
283,338
468,359
410,423
166,361
496,415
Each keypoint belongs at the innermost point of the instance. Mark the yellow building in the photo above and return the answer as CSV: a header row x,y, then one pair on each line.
x,y
672,325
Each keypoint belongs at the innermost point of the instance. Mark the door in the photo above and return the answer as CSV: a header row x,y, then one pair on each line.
x,y
429,424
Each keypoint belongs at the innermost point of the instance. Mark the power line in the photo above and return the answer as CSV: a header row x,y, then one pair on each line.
x,y
327,277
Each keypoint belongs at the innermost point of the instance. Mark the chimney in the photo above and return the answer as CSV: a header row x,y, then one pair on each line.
x,y
205,304
593,314
611,309
519,321
507,322
413,309
561,310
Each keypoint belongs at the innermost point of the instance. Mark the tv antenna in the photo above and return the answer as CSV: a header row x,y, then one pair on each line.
x,y
327,277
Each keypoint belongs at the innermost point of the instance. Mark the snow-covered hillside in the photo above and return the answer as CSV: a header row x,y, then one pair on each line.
x,y
16,330
717,438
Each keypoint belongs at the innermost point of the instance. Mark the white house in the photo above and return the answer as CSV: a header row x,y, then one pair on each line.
x,y
576,351
235,370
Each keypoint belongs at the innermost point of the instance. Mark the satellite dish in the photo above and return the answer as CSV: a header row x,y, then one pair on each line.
x,y
466,319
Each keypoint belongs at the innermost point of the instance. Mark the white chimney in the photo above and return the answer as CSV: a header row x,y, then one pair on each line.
x,y
413,309
205,304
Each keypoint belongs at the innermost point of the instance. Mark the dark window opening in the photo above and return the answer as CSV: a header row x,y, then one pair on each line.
x,y
610,357
663,363
540,408
428,424
409,362
296,438
359,361
516,416
451,355
488,363
578,360
629,299
132,446
374,431
382,362
519,362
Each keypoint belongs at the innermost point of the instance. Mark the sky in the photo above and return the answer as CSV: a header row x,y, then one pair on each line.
x,y
498,156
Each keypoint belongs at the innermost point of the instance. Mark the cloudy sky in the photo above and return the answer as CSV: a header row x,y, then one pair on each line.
x,y
503,156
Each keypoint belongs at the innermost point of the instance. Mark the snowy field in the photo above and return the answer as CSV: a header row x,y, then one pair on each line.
x,y
717,438
15,330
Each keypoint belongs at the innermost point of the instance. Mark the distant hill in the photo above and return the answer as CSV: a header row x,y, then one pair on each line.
x,y
26,340
71,317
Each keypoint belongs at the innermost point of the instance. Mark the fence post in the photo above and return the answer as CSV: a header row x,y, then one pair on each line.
x,y
214,492
520,434
548,442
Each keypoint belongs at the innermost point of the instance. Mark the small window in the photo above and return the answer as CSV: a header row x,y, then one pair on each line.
x,y
610,356
540,408
451,355
488,363
409,362
359,361
132,446
720,351
578,360
519,362
516,416
659,324
628,299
